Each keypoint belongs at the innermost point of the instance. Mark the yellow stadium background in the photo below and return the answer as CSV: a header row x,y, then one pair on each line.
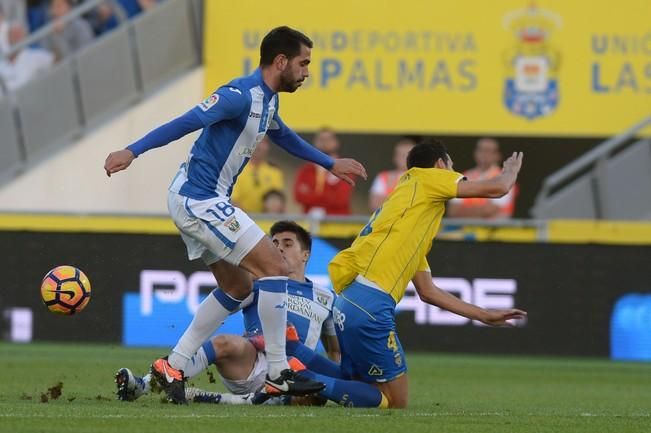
x,y
418,66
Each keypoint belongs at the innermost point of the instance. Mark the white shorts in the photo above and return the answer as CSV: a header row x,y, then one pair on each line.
x,y
213,229
254,382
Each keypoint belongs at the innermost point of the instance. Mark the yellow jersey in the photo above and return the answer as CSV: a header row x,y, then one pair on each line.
x,y
394,244
253,183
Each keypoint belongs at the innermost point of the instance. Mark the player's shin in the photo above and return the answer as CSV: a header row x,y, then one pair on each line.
x,y
272,309
201,360
349,393
313,361
212,312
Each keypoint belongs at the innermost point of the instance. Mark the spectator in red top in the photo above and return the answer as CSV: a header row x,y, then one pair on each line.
x,y
316,189
387,180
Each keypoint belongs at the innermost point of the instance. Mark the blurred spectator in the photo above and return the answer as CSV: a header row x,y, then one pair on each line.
x,y
24,65
37,14
134,7
274,201
318,190
387,180
257,178
70,37
14,10
4,33
104,18
487,157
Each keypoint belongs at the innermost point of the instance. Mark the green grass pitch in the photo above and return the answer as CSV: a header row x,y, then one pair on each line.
x,y
448,393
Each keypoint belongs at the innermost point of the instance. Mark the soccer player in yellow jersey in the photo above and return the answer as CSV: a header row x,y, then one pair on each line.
x,y
372,275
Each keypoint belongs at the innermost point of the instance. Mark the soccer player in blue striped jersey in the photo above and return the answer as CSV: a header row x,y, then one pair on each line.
x,y
239,360
234,119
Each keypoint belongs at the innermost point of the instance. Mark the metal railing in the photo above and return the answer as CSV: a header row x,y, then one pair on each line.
x,y
49,28
140,70
593,162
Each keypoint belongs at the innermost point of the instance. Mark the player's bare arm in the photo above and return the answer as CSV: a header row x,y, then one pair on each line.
x,y
496,187
433,295
331,345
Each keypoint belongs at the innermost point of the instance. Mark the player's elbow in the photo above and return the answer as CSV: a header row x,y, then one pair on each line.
x,y
427,297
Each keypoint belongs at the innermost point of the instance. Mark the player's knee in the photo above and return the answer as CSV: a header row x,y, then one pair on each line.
x,y
223,346
399,402
396,396
238,290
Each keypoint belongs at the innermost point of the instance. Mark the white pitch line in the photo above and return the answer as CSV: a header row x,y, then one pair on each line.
x,y
309,415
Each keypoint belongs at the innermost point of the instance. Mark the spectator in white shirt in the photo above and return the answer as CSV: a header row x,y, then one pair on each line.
x,y
24,65
70,37
14,10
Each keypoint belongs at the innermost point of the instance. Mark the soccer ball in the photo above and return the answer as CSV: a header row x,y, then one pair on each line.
x,y
65,290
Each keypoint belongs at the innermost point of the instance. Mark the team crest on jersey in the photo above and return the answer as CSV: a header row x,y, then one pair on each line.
x,y
322,297
375,371
232,224
209,102
532,63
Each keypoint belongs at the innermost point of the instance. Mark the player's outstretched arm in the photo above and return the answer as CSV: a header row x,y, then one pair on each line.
x,y
495,187
344,168
430,294
226,103
161,136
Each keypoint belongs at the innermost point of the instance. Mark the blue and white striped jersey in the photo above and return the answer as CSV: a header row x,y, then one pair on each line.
x,y
309,309
234,120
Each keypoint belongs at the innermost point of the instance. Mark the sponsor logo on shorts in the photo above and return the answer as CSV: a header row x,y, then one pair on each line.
x,y
397,358
375,371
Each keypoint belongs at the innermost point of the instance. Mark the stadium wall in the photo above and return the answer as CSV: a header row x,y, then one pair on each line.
x,y
145,292
73,180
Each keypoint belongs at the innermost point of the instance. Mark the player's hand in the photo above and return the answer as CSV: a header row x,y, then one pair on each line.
x,y
118,161
514,162
346,169
501,317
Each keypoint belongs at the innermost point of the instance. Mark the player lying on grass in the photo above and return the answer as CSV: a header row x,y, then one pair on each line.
x,y
239,360
242,367
372,275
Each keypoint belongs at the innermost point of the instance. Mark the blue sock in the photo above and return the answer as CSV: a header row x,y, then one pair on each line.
x,y
313,360
201,360
209,350
348,393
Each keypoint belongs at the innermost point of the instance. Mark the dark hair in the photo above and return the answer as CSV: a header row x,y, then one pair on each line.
x,y
302,235
274,193
282,40
426,153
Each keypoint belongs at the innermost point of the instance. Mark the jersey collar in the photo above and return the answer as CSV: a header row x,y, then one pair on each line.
x,y
257,74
